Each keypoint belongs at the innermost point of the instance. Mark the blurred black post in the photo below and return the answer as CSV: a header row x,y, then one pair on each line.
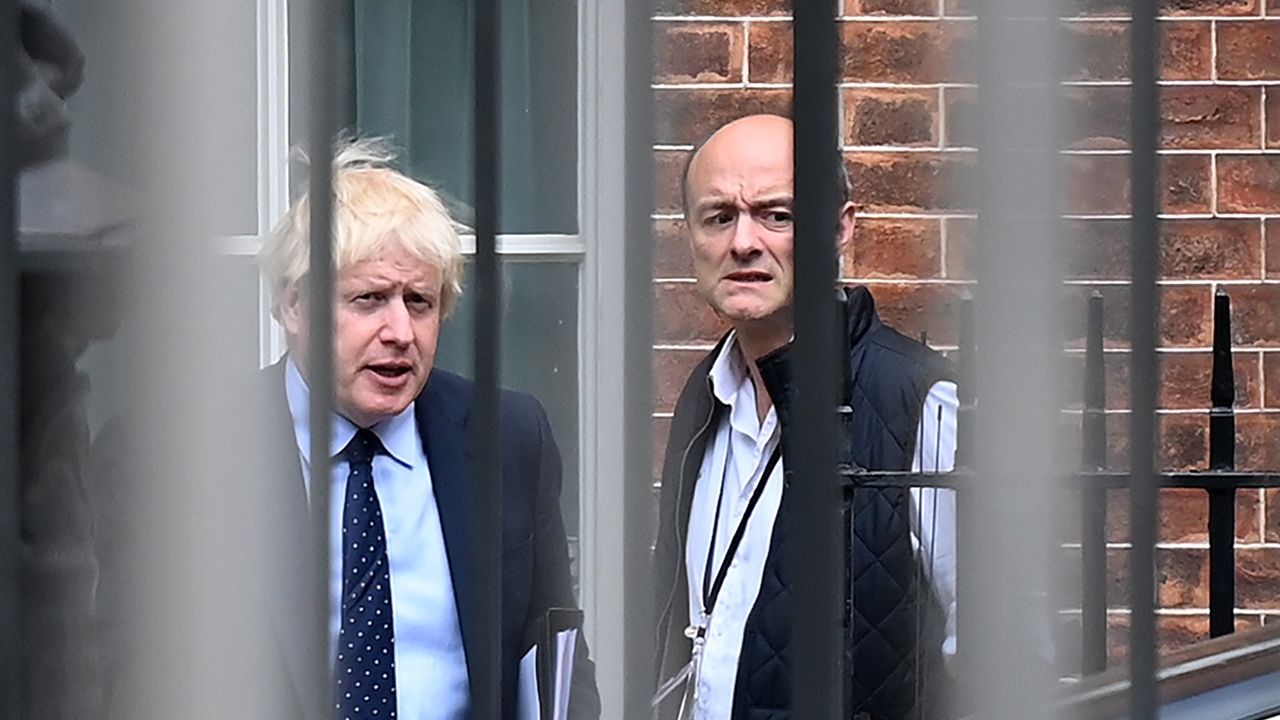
x,y
10,607
968,591
638,495
324,25
486,668
1006,670
1144,305
1093,516
816,557
967,390
1222,456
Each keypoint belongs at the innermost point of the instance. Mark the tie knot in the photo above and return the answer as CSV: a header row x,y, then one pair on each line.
x,y
363,447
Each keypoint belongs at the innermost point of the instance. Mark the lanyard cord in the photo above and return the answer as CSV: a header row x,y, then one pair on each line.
x,y
709,598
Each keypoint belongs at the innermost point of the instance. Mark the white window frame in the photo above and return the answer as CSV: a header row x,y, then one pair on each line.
x,y
597,250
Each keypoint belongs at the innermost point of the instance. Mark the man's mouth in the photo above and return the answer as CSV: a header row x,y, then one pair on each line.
x,y
390,370
749,276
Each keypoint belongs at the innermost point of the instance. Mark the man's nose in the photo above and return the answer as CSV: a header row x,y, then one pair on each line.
x,y
397,326
745,243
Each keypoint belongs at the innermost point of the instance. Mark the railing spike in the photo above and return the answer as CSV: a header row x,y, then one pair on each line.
x,y
1222,456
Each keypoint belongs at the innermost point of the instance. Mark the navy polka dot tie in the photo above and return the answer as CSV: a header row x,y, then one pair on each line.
x,y
366,666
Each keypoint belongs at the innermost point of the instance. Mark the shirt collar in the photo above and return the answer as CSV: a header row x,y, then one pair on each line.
x,y
728,372
397,433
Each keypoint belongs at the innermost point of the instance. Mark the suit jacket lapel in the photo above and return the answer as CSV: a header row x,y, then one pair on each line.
x,y
446,438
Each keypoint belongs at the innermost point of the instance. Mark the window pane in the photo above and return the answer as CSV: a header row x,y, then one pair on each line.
x,y
413,81
539,355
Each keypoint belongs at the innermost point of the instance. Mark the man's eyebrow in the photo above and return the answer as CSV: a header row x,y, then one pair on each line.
x,y
773,200
712,203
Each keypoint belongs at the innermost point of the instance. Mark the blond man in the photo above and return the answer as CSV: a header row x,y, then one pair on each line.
x,y
401,446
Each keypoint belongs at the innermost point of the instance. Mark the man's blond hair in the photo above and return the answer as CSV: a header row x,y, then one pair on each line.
x,y
375,207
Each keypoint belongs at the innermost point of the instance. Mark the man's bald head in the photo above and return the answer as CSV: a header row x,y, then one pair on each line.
x,y
739,202
751,133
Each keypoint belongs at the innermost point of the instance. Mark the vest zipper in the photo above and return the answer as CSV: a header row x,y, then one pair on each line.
x,y
681,534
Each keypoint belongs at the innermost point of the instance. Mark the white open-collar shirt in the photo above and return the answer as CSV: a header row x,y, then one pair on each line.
x,y
736,455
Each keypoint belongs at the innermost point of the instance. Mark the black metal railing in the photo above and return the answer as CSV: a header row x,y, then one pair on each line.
x,y
1220,481
10,344
815,556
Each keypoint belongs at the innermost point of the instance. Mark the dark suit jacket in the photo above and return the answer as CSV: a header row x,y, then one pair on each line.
x,y
535,560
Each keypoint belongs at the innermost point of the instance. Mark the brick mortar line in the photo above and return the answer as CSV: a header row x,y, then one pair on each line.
x,y
1171,83
910,149
686,280
1262,113
746,53
942,117
1247,152
1186,545
968,149
719,18
890,19
1262,251
1169,216
952,215
1213,184
1213,47
1167,351
1120,610
892,85
1173,411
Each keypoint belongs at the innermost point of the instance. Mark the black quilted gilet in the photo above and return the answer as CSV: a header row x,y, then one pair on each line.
x,y
893,646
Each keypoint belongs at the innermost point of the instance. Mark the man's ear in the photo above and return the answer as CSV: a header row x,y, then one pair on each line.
x,y
845,231
291,311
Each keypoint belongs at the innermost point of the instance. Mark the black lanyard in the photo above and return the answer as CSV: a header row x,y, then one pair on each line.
x,y
709,598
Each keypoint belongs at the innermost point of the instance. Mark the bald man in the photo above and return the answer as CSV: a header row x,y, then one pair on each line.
x,y
721,570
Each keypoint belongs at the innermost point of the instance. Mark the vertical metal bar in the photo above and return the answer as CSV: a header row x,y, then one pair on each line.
x,y
1093,516
638,534
10,585
1144,305
968,592
324,26
967,390
816,686
1222,456
1017,335
486,679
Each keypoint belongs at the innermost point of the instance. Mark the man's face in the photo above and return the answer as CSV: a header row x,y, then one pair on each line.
x,y
740,221
386,324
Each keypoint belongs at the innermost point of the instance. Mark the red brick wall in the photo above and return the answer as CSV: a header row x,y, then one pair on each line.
x,y
909,116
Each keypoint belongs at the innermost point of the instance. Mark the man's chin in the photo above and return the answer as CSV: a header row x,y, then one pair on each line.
x,y
749,312
374,407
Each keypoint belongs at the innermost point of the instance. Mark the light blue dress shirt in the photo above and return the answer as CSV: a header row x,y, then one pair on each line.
x,y
431,668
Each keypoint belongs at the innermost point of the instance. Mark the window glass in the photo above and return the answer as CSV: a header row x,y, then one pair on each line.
x,y
413,82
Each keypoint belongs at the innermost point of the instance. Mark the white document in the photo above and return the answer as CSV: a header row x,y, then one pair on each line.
x,y
566,642
528,700
527,705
